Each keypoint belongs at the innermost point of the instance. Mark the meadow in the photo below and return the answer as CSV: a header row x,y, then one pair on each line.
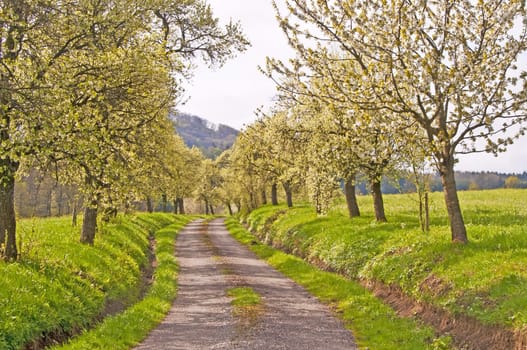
x,y
485,280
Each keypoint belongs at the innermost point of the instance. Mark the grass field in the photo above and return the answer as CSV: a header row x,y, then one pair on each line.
x,y
60,286
485,279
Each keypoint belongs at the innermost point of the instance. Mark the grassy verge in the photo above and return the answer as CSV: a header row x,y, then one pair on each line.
x,y
125,330
374,324
485,279
60,286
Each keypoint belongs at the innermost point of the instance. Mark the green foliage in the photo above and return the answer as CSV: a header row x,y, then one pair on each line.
x,y
99,79
374,324
60,285
389,99
485,279
125,330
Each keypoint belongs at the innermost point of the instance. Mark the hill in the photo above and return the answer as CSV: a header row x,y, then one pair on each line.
x,y
212,139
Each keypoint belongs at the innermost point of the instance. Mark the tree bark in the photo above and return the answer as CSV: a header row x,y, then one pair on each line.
x,y
74,215
181,205
421,212
7,209
252,201
427,213
288,194
48,200
351,198
264,197
274,194
149,207
457,224
165,202
175,203
89,223
58,199
206,207
211,209
378,203
229,207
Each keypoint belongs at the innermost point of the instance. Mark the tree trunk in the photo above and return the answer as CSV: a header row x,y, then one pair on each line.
x,y
252,201
351,198
89,224
149,207
74,215
165,202
181,205
288,194
59,200
7,210
35,196
421,211
457,224
48,200
378,203
229,207
206,207
211,210
427,213
274,194
175,202
264,197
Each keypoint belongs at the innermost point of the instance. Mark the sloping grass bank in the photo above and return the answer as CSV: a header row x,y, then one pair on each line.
x,y
485,280
128,328
60,286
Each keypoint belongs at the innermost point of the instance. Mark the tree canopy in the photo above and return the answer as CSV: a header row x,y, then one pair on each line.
x,y
449,69
89,85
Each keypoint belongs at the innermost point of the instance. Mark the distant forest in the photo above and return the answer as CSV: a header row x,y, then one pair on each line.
x,y
465,180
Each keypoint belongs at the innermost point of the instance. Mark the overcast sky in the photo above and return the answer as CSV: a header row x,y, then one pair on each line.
x,y
230,95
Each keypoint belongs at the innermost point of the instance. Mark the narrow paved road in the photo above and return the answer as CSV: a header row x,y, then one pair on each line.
x,y
211,261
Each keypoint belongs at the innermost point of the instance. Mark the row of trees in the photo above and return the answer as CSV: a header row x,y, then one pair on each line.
x,y
378,86
85,90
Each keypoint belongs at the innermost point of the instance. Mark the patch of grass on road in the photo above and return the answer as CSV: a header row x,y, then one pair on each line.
x,y
246,303
374,324
243,297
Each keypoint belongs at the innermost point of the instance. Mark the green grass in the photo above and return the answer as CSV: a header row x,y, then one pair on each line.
x,y
127,329
485,279
374,324
246,303
243,297
60,286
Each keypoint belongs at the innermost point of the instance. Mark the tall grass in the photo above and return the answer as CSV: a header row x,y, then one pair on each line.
x,y
60,286
128,328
